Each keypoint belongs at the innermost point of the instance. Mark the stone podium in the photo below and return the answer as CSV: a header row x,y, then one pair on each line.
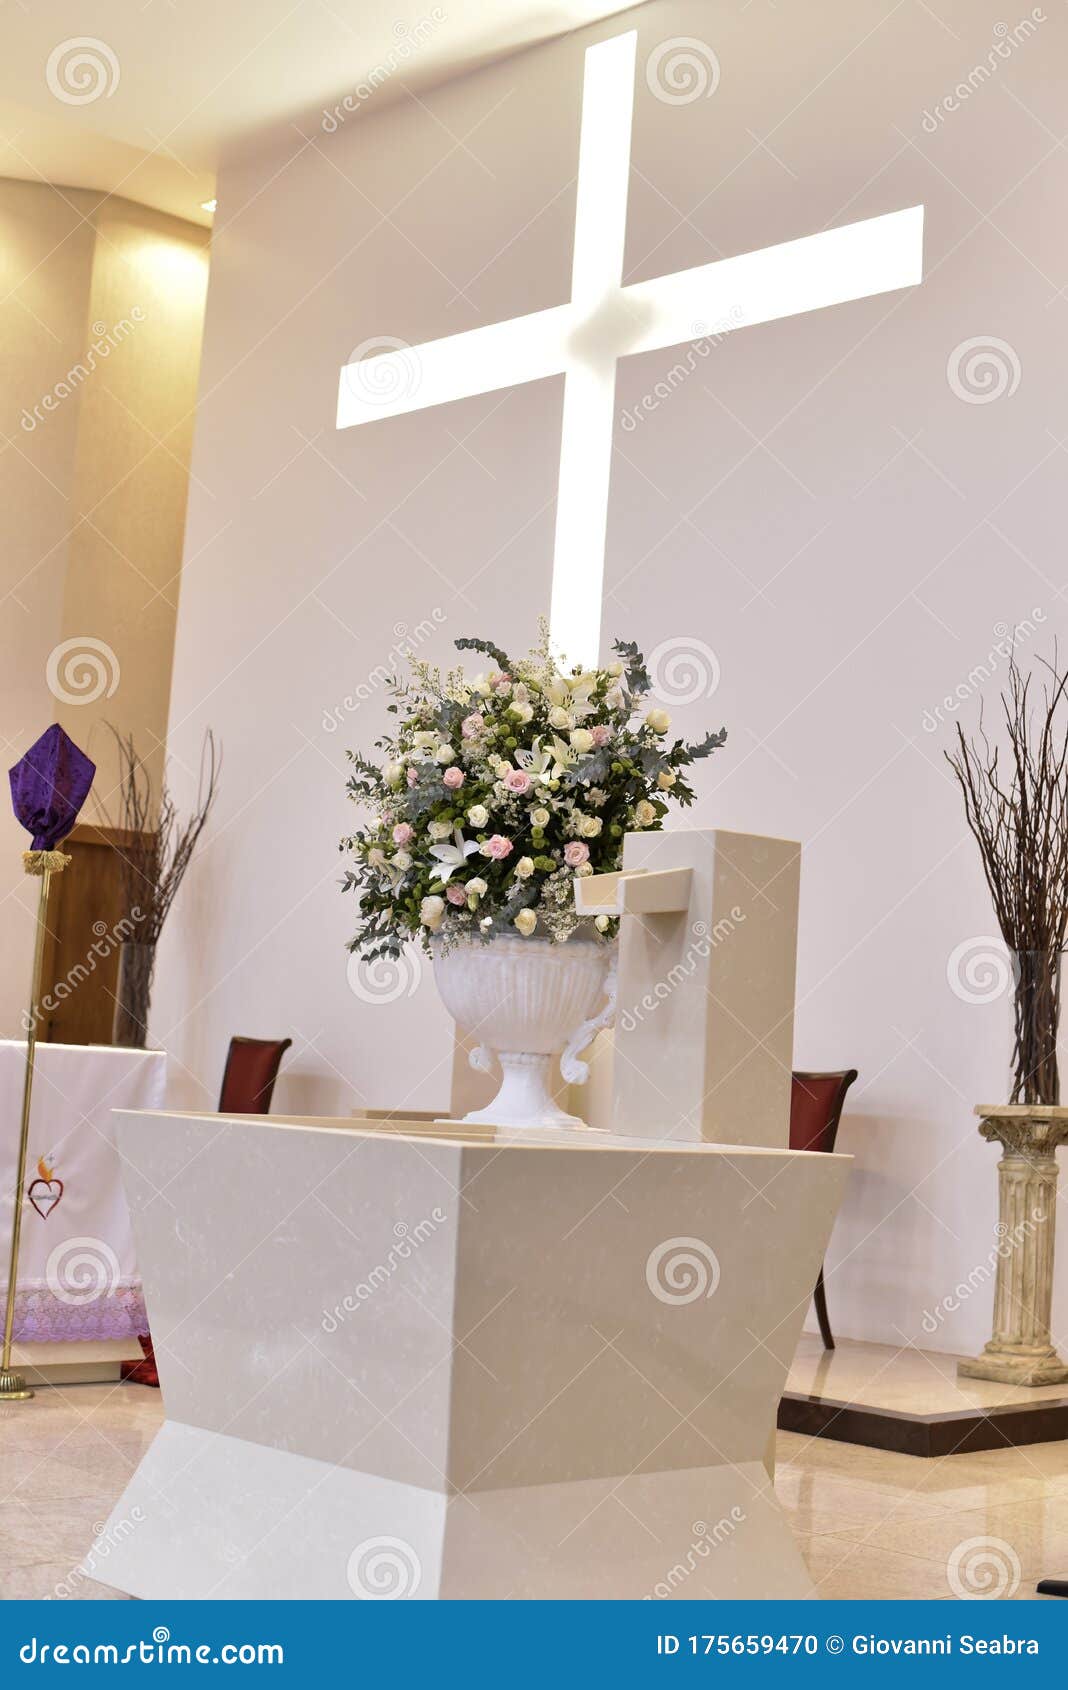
x,y
410,1362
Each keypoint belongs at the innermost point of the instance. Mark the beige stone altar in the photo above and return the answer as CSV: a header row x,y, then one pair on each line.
x,y
400,1361
411,1358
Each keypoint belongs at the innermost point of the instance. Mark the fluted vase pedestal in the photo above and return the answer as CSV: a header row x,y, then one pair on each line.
x,y
1021,1350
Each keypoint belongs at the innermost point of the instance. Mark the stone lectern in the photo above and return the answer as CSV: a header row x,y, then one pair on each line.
x,y
703,1043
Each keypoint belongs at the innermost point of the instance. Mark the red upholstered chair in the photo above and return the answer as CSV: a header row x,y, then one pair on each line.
x,y
815,1110
248,1080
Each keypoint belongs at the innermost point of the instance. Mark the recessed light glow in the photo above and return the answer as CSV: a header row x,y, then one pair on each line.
x,y
208,205
605,321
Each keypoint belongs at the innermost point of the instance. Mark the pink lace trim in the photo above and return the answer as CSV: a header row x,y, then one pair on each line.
x,y
41,1317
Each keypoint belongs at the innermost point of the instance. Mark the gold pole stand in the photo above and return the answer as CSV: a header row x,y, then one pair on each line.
x,y
13,1387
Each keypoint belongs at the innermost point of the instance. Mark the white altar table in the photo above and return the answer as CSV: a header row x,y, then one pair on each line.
x,y
406,1361
79,1306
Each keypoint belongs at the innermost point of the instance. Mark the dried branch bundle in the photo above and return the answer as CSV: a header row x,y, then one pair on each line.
x,y
1017,808
160,847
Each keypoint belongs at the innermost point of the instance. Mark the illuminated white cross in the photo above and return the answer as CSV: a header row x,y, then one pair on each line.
x,y
604,321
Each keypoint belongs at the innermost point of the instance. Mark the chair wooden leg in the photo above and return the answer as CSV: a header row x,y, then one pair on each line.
x,y
820,1295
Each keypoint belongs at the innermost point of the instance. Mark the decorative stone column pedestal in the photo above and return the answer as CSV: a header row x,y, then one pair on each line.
x,y
1021,1351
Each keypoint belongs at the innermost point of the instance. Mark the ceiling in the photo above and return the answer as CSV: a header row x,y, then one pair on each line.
x,y
140,99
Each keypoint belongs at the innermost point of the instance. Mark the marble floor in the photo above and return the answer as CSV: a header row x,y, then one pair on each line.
x,y
915,1381
869,1524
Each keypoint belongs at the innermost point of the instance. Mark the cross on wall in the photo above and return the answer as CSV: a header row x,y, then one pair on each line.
x,y
604,321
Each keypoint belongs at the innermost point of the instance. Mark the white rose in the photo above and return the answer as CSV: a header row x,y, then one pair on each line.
x,y
524,868
402,860
666,779
476,887
439,830
539,817
394,774
583,870
589,826
481,686
522,712
601,922
659,721
615,669
559,718
444,754
644,813
478,815
432,912
526,921
582,739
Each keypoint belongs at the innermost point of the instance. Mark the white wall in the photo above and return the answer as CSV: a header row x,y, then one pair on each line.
x,y
815,503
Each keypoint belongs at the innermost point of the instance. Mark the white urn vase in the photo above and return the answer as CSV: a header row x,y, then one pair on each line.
x,y
529,1003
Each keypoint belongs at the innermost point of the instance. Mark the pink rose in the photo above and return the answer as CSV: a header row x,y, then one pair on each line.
x,y
499,847
472,726
576,853
413,777
500,679
600,735
453,778
456,894
517,780
403,834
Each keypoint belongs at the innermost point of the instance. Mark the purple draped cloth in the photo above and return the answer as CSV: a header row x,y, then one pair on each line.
x,y
49,785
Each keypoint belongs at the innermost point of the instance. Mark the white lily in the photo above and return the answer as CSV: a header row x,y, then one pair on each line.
x,y
454,856
543,764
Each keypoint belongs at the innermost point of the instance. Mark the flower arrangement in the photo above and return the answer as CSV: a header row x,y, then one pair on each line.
x,y
496,792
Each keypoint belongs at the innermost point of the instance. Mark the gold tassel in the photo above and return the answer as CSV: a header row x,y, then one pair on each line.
x,y
44,862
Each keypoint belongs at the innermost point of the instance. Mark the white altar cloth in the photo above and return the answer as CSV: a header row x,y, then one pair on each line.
x,y
443,1364
78,1277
